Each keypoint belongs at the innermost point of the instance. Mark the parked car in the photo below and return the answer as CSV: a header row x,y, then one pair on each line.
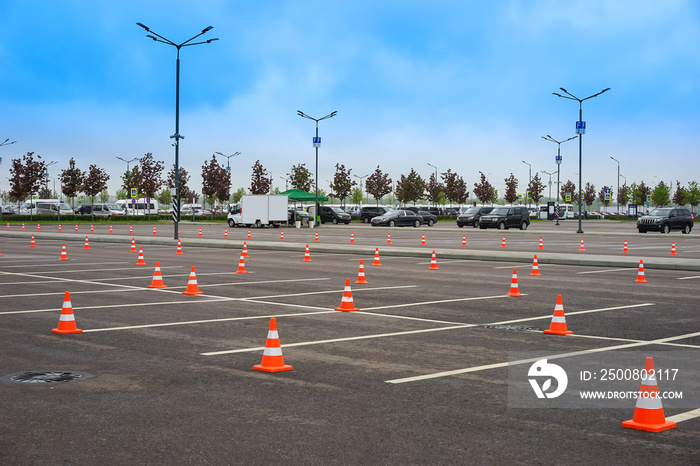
x,y
367,213
334,215
506,217
398,218
7,210
292,215
428,218
472,215
666,219
101,210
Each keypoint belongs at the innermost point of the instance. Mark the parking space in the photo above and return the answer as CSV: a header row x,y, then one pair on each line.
x,y
418,375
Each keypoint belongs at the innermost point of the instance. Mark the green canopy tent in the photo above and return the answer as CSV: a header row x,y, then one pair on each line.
x,y
303,196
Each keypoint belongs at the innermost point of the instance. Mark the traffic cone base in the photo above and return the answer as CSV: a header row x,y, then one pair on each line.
x,y
514,290
272,360
558,324
192,286
346,303
66,323
361,280
649,411
157,281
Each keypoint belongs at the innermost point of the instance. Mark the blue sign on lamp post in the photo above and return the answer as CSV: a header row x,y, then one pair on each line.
x,y
317,141
580,127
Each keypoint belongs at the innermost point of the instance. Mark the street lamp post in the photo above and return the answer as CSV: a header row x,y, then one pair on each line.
x,y
158,38
228,163
580,130
128,162
317,144
529,180
550,181
558,160
436,178
5,143
362,178
618,184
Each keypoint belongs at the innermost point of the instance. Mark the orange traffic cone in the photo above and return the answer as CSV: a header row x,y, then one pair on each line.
x,y
581,248
535,268
346,303
59,227
111,230
307,256
272,360
361,275
433,262
673,248
558,324
541,246
64,256
248,237
649,412
376,262
133,245
624,248
640,274
192,287
225,232
140,260
281,235
388,238
131,230
66,323
241,265
8,226
87,243
32,244
92,228
316,238
23,226
178,251
157,281
503,242
76,227
244,253
422,240
38,227
352,236
464,241
200,231
514,291
154,230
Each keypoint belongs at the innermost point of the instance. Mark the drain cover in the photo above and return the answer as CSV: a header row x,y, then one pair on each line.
x,y
510,327
46,377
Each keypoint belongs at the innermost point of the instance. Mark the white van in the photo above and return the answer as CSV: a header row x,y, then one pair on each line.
x,y
47,206
138,206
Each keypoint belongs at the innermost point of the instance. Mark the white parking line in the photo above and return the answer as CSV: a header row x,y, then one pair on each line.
x,y
604,271
688,278
553,356
684,416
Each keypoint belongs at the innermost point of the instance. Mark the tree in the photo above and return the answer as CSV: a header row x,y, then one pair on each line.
x,y
94,182
511,194
589,194
568,188
679,197
236,197
460,191
122,194
165,198
147,176
342,182
535,188
692,194
661,196
183,178
433,188
378,184
623,196
356,197
104,196
71,180
601,195
27,176
411,187
260,181
483,190
301,177
216,180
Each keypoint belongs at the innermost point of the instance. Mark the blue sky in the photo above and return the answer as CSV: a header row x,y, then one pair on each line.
x,y
465,85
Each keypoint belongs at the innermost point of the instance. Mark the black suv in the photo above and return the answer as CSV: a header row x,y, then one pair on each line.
x,y
665,220
369,212
472,215
506,217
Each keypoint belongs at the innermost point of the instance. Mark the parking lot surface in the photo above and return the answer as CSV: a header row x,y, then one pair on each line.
x,y
419,375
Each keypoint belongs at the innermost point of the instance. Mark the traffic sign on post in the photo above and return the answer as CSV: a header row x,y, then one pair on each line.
x,y
317,141
580,127
558,159
134,193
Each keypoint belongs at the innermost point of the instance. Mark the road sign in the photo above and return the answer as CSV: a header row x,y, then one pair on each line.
x,y
317,141
133,201
567,197
558,159
608,196
580,127
582,195
134,193
648,198
81,198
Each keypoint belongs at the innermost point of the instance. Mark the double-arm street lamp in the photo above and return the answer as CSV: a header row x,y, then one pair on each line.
x,y
436,178
158,38
127,162
550,181
362,178
558,160
5,143
618,184
317,144
580,130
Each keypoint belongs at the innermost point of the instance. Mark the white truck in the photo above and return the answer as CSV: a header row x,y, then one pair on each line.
x,y
259,210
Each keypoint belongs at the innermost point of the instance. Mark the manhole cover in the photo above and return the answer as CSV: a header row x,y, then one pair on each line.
x,y
46,377
509,327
